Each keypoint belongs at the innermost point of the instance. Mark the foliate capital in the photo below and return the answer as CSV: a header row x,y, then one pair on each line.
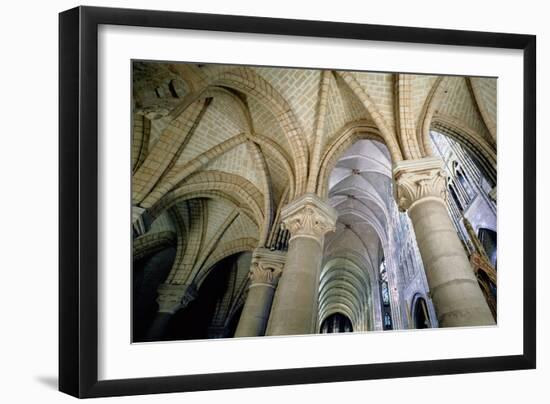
x,y
266,267
264,274
309,216
171,297
415,180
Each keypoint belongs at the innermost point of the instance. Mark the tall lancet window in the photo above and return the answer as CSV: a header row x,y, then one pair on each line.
x,y
385,296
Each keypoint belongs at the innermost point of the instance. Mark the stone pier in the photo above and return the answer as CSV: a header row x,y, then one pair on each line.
x,y
294,310
420,189
266,268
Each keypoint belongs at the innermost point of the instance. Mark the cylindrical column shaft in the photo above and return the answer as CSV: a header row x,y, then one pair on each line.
x,y
295,304
265,270
294,310
256,310
421,188
456,295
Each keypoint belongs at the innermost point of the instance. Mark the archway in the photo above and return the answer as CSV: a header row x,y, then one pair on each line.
x,y
472,195
486,275
420,315
488,239
215,310
359,187
336,323
482,155
345,287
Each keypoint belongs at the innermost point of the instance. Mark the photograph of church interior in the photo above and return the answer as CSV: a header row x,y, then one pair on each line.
x,y
284,201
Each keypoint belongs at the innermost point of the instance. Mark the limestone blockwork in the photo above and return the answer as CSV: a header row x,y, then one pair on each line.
x,y
282,201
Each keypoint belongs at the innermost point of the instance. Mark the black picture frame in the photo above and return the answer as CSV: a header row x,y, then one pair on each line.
x,y
78,200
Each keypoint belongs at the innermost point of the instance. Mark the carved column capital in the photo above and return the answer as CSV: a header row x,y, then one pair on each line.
x,y
262,275
138,220
267,267
171,298
415,180
309,216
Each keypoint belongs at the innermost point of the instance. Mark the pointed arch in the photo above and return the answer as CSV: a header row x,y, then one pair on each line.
x,y
385,132
249,82
484,153
236,189
225,250
179,174
348,135
432,102
166,151
487,117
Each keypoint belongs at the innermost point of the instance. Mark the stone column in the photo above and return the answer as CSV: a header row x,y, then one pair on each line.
x,y
266,268
138,220
420,188
294,310
171,298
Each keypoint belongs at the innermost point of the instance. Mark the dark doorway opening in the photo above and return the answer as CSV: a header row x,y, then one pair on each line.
x,y
421,318
336,323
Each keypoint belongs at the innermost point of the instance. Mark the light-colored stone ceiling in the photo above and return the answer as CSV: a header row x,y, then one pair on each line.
x,y
250,139
360,192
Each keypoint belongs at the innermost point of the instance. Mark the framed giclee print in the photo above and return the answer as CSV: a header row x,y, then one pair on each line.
x,y
251,201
